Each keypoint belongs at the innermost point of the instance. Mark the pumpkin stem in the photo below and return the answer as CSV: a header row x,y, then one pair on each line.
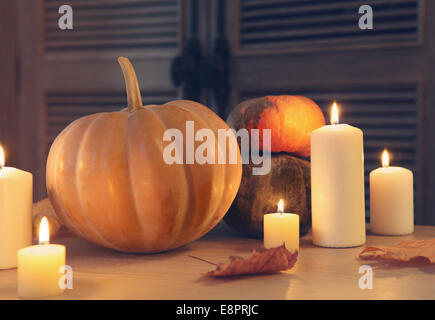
x,y
134,98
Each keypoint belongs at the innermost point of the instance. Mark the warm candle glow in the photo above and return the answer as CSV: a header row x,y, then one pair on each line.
x,y
281,206
44,234
385,159
334,113
281,228
391,199
41,268
2,157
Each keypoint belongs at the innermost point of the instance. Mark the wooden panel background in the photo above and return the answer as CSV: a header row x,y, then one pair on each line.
x,y
55,72
9,86
315,24
111,27
71,73
383,87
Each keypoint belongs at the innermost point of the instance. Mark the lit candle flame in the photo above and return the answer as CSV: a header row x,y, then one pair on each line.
x,y
334,113
2,157
281,206
385,159
44,233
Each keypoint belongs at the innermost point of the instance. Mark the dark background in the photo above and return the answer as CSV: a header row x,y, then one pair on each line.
x,y
219,53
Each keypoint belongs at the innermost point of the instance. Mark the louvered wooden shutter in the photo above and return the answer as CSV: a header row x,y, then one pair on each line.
x,y
108,28
146,26
300,25
315,48
75,72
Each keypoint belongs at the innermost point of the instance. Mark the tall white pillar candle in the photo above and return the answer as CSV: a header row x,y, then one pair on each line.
x,y
391,199
337,185
15,213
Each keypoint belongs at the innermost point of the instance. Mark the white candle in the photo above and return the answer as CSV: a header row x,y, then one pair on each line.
x,y
391,199
39,267
337,185
281,228
15,212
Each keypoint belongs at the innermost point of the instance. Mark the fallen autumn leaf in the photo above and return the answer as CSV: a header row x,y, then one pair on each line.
x,y
260,262
405,251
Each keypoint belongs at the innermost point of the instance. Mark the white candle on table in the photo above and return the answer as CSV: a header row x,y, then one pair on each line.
x,y
281,228
40,267
15,212
337,185
391,199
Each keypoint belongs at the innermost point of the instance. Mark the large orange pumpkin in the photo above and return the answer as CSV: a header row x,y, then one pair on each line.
x,y
109,183
290,118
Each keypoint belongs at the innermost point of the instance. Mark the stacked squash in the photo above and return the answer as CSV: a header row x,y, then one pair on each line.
x,y
291,120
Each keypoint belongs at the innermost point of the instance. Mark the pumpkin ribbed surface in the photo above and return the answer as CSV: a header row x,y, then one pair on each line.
x,y
109,183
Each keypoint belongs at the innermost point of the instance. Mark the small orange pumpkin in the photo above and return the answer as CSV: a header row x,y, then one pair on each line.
x,y
109,183
290,118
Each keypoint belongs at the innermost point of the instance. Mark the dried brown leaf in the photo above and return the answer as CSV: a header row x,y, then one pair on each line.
x,y
266,261
405,251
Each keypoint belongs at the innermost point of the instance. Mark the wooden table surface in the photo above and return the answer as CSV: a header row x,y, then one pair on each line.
x,y
319,273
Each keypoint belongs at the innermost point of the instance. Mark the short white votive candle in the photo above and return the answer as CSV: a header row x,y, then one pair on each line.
x,y
391,200
281,228
40,267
